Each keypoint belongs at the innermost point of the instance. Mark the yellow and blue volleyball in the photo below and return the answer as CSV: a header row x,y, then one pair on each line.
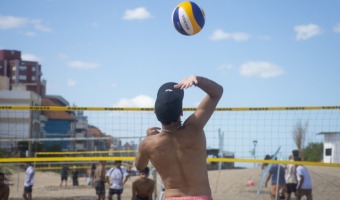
x,y
188,18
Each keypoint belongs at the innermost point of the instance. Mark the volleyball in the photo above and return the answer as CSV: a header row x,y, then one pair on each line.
x,y
250,183
188,18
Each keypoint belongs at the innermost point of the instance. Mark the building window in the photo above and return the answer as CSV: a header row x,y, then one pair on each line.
x,y
33,69
13,77
14,68
328,152
23,68
33,78
23,77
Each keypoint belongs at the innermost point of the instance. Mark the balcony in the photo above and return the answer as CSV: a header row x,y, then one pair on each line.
x,y
80,147
81,125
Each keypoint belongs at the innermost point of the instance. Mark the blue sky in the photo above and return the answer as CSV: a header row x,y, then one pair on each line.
x,y
117,53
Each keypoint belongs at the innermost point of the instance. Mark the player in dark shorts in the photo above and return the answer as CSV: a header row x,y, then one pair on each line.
x,y
100,180
100,188
64,175
118,192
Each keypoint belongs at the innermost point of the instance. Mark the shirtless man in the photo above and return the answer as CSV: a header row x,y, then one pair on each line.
x,y
142,188
100,180
178,151
4,188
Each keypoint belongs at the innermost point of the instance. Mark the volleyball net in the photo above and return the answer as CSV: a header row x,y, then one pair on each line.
x,y
236,137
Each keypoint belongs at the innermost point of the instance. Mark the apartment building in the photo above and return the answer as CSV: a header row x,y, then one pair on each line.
x,y
20,72
19,125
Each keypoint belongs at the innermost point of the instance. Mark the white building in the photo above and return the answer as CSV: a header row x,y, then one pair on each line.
x,y
80,131
18,124
331,147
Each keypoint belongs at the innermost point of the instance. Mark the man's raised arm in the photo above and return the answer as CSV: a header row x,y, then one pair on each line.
x,y
208,104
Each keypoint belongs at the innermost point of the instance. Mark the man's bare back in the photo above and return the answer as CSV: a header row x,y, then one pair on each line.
x,y
177,151
180,159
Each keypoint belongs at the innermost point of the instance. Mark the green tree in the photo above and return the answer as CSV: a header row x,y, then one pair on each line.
x,y
3,153
53,148
313,152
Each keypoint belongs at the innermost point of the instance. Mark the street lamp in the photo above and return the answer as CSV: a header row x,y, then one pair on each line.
x,y
254,151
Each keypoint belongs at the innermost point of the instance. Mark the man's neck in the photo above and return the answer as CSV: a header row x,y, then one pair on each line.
x,y
171,127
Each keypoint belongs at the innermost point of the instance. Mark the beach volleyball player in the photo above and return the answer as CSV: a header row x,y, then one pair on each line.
x,y
178,151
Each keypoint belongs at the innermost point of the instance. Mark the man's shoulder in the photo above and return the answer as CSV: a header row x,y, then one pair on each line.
x,y
300,169
111,170
149,141
30,169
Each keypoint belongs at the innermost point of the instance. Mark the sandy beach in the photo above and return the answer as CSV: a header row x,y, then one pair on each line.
x,y
225,184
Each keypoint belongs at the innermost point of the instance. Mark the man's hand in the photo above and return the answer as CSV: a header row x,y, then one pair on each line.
x,y
153,131
298,191
188,82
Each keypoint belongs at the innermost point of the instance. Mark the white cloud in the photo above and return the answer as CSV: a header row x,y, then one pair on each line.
x,y
31,57
82,65
336,28
42,28
224,68
305,32
11,22
71,83
140,13
138,101
265,37
218,35
260,69
30,33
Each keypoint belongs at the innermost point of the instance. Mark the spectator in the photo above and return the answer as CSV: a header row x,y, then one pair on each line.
x,y
100,180
64,175
29,181
278,183
90,174
291,180
115,177
75,176
304,185
142,188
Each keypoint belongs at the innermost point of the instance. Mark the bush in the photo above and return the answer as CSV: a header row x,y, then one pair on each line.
x,y
313,152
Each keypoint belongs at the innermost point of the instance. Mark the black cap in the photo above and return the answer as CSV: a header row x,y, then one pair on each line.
x,y
168,106
267,157
146,170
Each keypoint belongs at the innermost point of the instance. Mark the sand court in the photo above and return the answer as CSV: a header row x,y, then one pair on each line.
x,y
226,184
